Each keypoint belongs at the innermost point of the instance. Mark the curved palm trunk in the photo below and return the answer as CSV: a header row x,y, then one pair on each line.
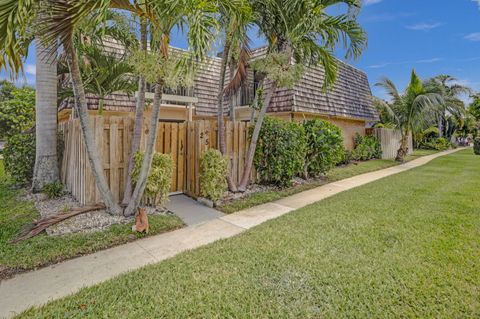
x,y
220,116
46,161
148,156
139,111
256,132
92,151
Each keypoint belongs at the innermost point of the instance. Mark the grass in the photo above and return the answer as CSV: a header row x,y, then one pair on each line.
x,y
43,250
337,173
404,246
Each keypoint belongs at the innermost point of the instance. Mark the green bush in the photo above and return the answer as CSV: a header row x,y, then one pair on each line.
x,y
324,147
476,145
280,153
159,180
213,172
437,143
53,190
346,157
366,148
17,111
19,157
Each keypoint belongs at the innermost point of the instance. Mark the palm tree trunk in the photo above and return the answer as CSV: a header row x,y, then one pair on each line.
x,y
46,161
92,151
220,116
256,132
440,125
139,110
148,156
403,150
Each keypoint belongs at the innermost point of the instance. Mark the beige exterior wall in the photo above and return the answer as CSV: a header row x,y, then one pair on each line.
x,y
349,127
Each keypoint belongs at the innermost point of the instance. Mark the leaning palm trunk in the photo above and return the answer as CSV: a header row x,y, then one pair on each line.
x,y
139,111
92,151
256,133
220,116
46,161
148,157
403,150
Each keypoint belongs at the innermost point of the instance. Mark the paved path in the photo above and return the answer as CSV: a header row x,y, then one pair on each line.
x,y
53,282
191,211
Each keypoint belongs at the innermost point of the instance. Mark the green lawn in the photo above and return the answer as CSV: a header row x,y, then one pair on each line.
x,y
404,246
43,250
337,173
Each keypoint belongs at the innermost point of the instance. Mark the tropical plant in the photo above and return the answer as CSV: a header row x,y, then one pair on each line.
x,y
159,179
17,111
324,147
6,89
213,170
299,33
451,112
103,73
410,109
366,148
53,190
280,155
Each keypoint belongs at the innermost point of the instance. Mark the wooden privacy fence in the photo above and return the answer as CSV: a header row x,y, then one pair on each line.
x,y
185,142
390,141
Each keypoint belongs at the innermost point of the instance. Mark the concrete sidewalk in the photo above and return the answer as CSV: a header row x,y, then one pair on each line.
x,y
38,287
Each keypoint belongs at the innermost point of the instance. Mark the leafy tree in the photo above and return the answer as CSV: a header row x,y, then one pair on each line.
x,y
6,89
17,113
303,32
410,109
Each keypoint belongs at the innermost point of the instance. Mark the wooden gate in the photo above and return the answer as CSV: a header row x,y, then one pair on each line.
x,y
185,142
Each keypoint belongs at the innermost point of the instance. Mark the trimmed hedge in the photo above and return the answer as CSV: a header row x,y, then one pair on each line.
x,y
476,145
324,147
280,153
213,172
19,157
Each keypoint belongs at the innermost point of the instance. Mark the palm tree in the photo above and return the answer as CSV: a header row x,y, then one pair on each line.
x,y
46,168
410,109
451,91
299,33
139,111
103,74
59,21
235,17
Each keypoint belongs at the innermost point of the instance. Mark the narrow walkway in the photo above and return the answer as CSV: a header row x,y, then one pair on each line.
x,y
38,287
191,211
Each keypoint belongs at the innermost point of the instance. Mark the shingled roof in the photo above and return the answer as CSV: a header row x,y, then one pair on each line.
x,y
350,97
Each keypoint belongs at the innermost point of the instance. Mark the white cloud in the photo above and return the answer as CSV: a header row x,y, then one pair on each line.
x,y
473,36
424,26
30,69
423,61
370,2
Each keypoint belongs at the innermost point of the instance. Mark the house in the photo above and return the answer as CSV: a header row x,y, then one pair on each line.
x,y
348,104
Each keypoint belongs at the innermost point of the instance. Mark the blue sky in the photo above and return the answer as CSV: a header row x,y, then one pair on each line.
x,y
432,36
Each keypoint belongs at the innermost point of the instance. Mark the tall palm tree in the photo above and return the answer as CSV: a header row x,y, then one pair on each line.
x,y
300,33
235,17
448,87
46,168
410,109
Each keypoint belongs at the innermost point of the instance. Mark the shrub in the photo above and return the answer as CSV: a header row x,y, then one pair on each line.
x,y
53,190
476,145
159,180
366,148
213,172
438,143
17,111
19,157
280,153
324,147
346,157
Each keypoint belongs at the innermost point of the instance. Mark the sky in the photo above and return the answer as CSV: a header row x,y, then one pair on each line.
x,y
431,36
